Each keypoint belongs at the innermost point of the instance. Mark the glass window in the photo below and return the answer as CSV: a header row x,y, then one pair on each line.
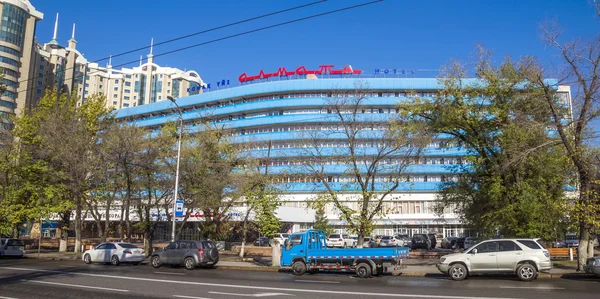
x,y
101,246
530,243
116,81
507,246
295,240
487,247
116,89
111,246
127,83
13,25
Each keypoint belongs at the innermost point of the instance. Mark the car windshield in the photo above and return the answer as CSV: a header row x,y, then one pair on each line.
x,y
572,237
285,235
127,245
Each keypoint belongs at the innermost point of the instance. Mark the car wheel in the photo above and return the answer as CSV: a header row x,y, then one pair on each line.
x,y
114,260
458,272
87,259
526,272
363,270
155,261
189,263
298,268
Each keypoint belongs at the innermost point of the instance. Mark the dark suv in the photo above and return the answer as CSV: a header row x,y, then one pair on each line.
x,y
190,254
420,241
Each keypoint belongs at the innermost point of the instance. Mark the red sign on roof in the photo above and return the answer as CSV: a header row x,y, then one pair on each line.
x,y
326,69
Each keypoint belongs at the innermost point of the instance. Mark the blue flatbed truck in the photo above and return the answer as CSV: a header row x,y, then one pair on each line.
x,y
307,252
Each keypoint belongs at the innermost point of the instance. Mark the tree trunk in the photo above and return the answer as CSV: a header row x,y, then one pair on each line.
x,y
106,223
64,232
582,250
101,231
244,233
78,228
359,243
121,222
127,205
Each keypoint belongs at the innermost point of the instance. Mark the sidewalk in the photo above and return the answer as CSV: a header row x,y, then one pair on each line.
x,y
415,267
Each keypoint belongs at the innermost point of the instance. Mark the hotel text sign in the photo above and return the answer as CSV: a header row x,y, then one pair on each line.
x,y
326,69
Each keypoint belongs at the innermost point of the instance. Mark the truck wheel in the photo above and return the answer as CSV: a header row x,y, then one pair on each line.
x,y
527,272
298,268
363,270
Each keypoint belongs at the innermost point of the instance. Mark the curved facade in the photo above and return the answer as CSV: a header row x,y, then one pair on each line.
x,y
280,114
17,31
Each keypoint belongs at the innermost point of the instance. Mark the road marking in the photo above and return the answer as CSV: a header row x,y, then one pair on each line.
x,y
190,297
7,297
534,288
74,285
252,295
317,281
170,273
254,287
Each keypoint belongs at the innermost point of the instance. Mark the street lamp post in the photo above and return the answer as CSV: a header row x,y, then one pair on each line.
x,y
176,192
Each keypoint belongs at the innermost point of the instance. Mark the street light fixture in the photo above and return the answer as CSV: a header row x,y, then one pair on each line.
x,y
176,191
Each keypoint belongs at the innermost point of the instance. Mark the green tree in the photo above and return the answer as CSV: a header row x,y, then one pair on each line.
x,y
63,138
321,221
512,182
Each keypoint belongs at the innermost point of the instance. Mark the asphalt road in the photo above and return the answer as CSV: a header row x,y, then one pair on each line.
x,y
30,278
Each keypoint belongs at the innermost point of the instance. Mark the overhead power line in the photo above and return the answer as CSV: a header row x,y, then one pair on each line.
x,y
243,33
195,34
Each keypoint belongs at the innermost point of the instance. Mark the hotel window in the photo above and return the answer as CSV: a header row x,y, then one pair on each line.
x,y
115,103
126,98
128,76
41,67
40,75
116,89
127,91
116,81
125,105
100,85
128,83
115,96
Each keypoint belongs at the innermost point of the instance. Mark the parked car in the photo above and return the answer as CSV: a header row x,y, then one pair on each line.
x,y
558,243
470,241
340,240
420,241
592,266
433,239
449,242
262,241
369,243
523,257
281,238
391,241
405,238
12,247
460,243
190,254
571,240
114,253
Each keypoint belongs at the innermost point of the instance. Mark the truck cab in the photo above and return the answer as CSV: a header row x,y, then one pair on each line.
x,y
297,245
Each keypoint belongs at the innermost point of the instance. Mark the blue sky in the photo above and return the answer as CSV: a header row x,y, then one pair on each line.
x,y
390,34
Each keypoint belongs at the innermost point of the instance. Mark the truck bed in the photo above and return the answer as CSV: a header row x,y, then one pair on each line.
x,y
351,253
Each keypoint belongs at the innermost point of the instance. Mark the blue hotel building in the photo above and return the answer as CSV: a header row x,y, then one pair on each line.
x,y
280,108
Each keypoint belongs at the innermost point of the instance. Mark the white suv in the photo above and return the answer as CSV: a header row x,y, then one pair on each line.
x,y
524,257
340,240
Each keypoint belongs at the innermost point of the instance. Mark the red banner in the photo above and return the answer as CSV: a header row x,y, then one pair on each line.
x,y
326,69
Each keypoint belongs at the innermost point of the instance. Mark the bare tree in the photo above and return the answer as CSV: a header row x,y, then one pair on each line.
x,y
581,63
369,151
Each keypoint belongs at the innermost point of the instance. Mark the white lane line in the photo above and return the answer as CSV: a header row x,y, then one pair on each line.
x,y
252,295
7,297
189,297
533,288
254,287
317,281
74,285
170,273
